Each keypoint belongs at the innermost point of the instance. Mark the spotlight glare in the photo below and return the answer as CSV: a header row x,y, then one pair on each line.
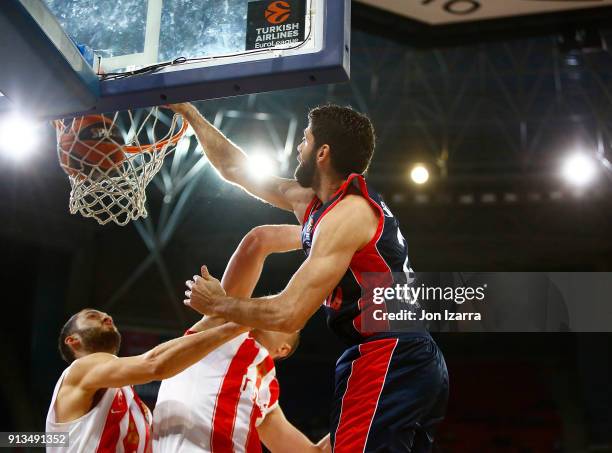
x,y
579,169
261,165
18,136
419,174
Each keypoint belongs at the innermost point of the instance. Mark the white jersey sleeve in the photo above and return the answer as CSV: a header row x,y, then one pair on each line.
x,y
120,421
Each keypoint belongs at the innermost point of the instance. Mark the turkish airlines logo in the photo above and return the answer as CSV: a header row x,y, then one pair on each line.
x,y
278,12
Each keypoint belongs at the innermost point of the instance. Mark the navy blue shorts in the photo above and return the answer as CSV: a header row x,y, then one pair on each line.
x,y
390,394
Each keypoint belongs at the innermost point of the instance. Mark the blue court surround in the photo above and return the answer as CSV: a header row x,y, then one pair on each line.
x,y
45,74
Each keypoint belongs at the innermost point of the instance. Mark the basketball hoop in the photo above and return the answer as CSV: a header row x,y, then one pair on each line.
x,y
111,159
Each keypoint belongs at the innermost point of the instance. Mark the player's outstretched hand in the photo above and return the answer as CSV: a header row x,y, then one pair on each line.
x,y
201,292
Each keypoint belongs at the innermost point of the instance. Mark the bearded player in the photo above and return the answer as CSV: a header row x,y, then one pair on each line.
x,y
228,401
390,388
94,400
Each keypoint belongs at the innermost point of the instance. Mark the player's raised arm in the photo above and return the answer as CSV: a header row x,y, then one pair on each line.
x,y
233,165
246,264
335,242
103,370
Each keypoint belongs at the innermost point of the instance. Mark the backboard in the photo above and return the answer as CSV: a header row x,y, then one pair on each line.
x,y
139,53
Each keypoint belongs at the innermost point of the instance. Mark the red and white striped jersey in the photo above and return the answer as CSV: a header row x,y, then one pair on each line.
x,y
216,404
120,422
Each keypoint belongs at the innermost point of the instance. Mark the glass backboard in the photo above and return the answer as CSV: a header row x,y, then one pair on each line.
x,y
152,52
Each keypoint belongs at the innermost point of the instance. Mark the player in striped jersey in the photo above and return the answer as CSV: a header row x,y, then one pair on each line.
x,y
391,387
228,401
94,400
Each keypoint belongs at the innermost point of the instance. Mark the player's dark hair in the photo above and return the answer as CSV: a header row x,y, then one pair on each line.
x,y
349,134
69,328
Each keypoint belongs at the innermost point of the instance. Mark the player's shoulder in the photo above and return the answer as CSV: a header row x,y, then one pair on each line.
x,y
351,222
94,358
354,206
82,365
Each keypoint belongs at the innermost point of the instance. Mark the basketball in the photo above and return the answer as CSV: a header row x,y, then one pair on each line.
x,y
278,12
90,143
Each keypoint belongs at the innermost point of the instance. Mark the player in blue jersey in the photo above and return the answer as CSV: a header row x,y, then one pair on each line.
x,y
391,387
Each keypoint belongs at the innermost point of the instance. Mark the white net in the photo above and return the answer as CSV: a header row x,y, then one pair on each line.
x,y
111,159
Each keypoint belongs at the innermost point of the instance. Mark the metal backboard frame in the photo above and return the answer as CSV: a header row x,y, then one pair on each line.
x,y
68,87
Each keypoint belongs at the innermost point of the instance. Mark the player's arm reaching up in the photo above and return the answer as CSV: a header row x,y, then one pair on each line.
x,y
244,268
335,242
239,280
233,165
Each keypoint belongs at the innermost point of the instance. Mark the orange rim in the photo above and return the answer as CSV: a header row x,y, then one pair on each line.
x,y
131,149
158,145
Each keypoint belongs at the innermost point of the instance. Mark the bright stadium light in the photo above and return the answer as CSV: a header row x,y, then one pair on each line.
x,y
18,136
579,169
261,165
419,174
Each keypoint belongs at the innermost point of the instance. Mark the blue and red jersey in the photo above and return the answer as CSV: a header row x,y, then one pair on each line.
x,y
385,254
391,388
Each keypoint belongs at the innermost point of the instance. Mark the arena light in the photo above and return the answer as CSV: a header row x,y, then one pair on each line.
x,y
419,174
18,136
579,169
261,165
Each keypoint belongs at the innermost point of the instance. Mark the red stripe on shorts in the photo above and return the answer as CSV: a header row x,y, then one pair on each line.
x,y
368,373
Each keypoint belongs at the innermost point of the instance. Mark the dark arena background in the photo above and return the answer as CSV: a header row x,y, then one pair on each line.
x,y
492,109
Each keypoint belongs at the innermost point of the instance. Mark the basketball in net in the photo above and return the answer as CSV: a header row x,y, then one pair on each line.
x,y
93,143
111,159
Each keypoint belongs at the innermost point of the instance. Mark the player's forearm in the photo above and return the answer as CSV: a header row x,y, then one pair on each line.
x,y
246,264
280,436
174,356
266,313
226,157
241,275
239,279
207,322
299,442
244,267
295,442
